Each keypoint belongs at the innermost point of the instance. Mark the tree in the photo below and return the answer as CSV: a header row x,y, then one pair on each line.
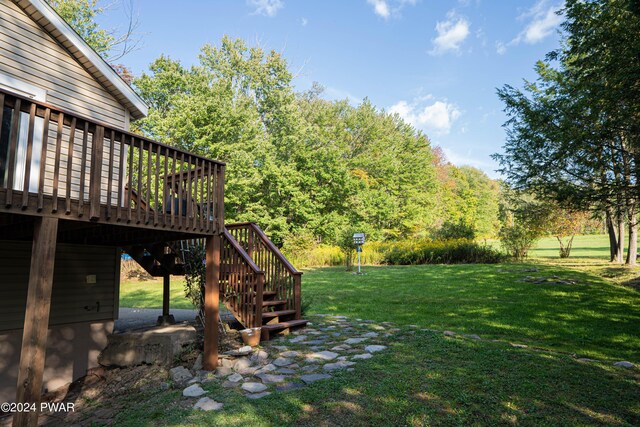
x,y
81,16
572,135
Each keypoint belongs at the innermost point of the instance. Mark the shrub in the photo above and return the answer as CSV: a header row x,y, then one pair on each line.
x,y
458,251
517,240
454,230
195,277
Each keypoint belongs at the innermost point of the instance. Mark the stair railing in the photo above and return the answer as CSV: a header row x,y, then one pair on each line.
x,y
280,275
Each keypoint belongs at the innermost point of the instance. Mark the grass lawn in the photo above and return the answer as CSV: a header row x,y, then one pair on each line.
x,y
426,378
148,294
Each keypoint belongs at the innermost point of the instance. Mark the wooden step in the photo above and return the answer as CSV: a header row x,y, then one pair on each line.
x,y
282,327
266,295
272,317
273,303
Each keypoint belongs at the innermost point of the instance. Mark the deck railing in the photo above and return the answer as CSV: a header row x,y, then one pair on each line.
x,y
280,275
57,163
241,282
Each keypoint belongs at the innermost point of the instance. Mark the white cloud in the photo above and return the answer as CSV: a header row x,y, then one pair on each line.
x,y
380,7
266,7
451,34
501,48
387,8
543,21
304,22
468,159
438,116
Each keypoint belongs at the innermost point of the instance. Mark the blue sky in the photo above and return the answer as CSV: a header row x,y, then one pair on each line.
x,y
436,63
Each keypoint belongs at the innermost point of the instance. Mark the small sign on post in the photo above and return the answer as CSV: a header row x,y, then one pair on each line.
x,y
358,240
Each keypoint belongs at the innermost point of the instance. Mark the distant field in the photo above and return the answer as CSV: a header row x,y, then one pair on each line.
x,y
592,246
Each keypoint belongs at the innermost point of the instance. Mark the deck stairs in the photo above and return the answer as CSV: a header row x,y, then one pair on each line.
x,y
258,285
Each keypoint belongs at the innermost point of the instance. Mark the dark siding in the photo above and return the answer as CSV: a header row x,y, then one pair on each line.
x,y
72,300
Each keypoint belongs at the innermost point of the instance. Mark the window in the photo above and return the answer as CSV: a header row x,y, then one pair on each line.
x,y
24,89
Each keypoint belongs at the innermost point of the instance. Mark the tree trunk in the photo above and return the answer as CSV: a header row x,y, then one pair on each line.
x,y
613,239
632,252
620,250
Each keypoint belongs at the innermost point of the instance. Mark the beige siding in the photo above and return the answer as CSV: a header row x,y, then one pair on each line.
x,y
73,300
29,54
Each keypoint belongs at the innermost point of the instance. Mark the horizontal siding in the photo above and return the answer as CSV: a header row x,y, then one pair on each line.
x,y
31,55
70,294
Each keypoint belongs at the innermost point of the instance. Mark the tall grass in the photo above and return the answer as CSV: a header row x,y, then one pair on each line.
x,y
404,252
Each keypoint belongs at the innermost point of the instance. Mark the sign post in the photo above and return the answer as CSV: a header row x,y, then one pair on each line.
x,y
358,240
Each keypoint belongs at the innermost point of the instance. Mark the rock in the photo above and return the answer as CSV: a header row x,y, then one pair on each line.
x,y
259,357
289,386
247,371
206,404
311,368
299,338
164,386
222,371
257,395
374,348
370,335
315,342
271,379
254,387
449,334
193,391
286,371
267,368
355,340
242,363
280,347
343,358
380,328
180,374
197,365
289,354
624,364
342,347
363,356
586,360
516,345
242,351
337,365
308,379
234,378
323,355
193,380
281,361
473,337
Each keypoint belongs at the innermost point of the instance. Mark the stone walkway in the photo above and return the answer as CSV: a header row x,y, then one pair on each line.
x,y
308,355
315,353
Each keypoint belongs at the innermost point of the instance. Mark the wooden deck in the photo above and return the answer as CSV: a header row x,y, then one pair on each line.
x,y
57,164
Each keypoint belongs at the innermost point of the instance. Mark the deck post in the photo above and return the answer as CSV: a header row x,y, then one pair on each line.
x,y
166,318
36,320
211,302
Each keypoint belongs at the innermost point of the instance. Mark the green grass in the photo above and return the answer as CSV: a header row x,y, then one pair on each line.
x,y
148,294
428,379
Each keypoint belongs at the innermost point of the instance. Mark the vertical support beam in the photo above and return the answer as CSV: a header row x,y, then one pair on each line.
x,y
211,302
95,182
36,321
166,290
297,293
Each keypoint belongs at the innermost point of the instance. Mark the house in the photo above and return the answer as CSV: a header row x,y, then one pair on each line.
x,y
77,189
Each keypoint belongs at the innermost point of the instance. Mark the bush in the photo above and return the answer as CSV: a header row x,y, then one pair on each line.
x,y
517,240
454,230
458,251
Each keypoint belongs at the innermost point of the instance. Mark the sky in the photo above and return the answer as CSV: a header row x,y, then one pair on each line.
x,y
436,63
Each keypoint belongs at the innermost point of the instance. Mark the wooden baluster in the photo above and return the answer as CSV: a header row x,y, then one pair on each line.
x,y
220,199
95,190
180,185
43,155
130,180
166,197
173,190
193,191
189,196
259,299
83,166
27,166
121,174
148,192
297,293
72,137
56,163
139,188
208,220
156,214
112,146
203,205
13,146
